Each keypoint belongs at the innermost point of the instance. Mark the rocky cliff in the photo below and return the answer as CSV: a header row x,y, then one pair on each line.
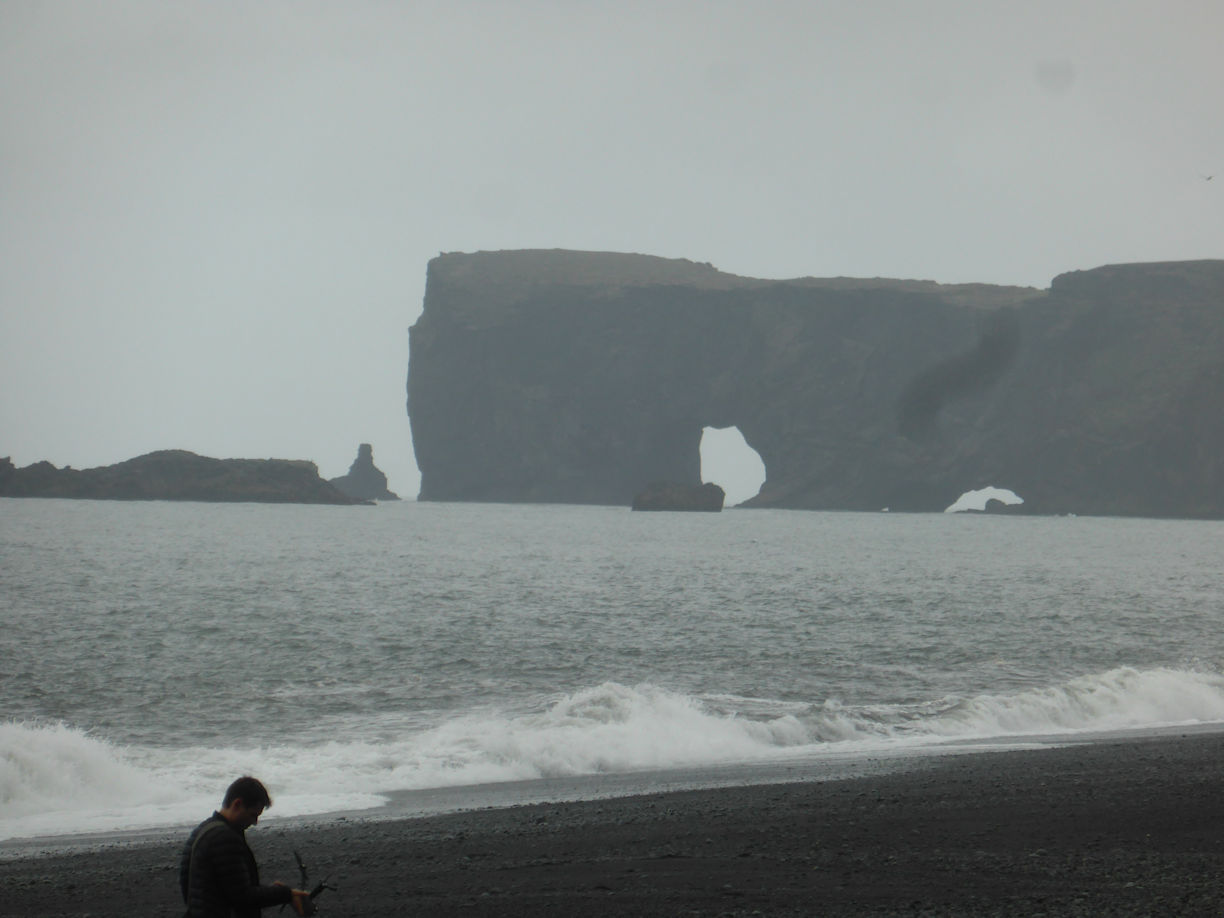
x,y
581,377
176,474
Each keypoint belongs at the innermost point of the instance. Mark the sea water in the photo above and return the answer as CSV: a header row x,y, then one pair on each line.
x,y
151,652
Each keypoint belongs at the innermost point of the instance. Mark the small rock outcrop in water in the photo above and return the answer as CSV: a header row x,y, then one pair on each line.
x,y
670,495
364,481
175,474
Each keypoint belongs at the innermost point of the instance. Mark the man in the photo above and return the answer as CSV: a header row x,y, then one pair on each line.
x,y
217,871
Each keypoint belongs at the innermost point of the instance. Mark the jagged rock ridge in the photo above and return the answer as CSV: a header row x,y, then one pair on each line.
x,y
582,377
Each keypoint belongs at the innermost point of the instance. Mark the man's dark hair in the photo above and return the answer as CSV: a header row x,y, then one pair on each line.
x,y
250,791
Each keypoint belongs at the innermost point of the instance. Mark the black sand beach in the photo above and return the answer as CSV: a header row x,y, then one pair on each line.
x,y
1130,827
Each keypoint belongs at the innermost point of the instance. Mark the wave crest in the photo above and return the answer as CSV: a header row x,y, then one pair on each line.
x,y
57,778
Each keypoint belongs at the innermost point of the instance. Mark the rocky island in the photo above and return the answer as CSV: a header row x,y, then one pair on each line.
x,y
176,474
668,495
559,376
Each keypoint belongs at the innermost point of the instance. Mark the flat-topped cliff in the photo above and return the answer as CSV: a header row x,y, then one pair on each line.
x,y
582,377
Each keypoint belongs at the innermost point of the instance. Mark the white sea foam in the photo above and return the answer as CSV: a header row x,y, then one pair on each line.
x,y
1122,698
56,779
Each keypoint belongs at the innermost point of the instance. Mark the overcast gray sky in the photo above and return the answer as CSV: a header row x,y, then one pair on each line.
x,y
215,217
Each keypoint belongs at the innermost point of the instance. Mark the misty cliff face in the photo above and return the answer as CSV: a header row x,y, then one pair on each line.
x,y
581,377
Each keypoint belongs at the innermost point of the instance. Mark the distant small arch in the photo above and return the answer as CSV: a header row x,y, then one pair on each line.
x,y
979,499
729,462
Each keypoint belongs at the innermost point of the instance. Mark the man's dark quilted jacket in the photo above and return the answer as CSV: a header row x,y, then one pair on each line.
x,y
219,877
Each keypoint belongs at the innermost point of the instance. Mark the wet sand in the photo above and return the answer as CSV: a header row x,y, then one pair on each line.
x,y
1113,828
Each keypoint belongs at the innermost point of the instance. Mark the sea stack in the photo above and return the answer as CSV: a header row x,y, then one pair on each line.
x,y
364,480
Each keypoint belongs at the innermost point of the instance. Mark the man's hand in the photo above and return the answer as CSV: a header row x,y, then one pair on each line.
x,y
302,903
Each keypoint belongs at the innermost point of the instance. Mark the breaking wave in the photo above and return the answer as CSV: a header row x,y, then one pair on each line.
x,y
59,779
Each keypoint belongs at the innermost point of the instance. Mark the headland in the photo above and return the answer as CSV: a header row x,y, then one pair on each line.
x,y
581,377
176,474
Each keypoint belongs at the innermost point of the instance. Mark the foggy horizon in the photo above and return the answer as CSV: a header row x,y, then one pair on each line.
x,y
217,218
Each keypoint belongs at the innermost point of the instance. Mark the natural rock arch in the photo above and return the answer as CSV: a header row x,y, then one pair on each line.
x,y
581,377
727,459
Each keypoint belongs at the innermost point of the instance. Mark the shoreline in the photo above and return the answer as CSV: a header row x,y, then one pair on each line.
x,y
1130,826
415,803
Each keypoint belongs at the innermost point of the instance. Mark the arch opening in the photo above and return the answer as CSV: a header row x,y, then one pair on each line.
x,y
980,499
729,462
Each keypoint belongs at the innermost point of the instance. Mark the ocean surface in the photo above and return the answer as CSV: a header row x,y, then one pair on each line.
x,y
151,652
